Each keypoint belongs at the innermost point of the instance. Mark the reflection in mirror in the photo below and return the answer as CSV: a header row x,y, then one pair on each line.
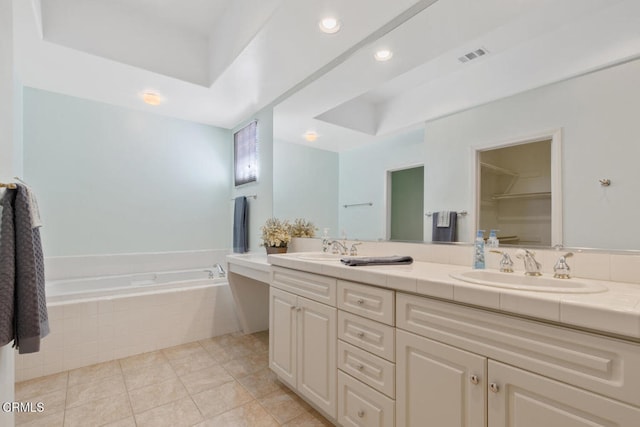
x,y
406,200
515,193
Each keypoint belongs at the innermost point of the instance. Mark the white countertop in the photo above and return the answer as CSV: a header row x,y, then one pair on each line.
x,y
257,261
616,311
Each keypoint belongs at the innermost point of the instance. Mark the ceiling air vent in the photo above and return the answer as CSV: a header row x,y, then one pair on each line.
x,y
473,55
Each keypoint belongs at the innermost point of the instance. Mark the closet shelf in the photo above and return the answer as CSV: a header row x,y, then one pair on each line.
x,y
541,195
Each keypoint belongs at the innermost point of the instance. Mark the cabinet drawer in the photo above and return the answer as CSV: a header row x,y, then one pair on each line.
x,y
371,370
312,286
372,336
608,366
362,406
367,301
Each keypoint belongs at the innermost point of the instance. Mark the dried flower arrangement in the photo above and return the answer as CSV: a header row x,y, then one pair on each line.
x,y
303,228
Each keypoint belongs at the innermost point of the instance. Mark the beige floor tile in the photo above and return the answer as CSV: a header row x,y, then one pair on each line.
x,y
309,419
99,412
49,419
86,392
180,351
127,422
180,413
248,415
261,383
149,397
220,399
39,386
148,374
228,347
283,405
196,361
205,379
94,373
53,402
244,366
138,361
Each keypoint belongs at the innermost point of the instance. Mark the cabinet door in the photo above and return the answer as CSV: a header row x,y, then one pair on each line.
x,y
438,385
282,334
520,398
317,354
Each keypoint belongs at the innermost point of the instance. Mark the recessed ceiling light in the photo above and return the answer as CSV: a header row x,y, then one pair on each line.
x,y
152,98
329,25
383,55
310,135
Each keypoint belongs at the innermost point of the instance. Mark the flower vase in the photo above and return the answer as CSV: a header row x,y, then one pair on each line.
x,y
276,249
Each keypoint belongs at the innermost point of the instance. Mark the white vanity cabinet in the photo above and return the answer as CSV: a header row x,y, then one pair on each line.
x,y
302,337
366,355
460,366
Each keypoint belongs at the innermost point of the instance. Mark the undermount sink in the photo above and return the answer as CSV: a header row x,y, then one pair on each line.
x,y
518,281
318,256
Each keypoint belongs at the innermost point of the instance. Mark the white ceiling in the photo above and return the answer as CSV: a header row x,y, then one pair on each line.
x,y
219,61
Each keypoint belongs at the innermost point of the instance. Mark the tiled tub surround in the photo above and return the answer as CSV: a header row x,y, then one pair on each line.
x,y
91,325
85,332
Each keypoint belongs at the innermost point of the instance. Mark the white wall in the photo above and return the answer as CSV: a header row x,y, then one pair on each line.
x,y
112,180
597,114
260,208
363,174
9,166
305,185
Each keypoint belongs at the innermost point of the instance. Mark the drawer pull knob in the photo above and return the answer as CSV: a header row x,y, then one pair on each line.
x,y
360,301
298,308
360,334
361,413
360,367
475,379
494,387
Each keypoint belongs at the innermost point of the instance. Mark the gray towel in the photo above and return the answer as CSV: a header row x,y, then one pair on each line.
x,y
7,268
444,234
383,260
30,320
240,225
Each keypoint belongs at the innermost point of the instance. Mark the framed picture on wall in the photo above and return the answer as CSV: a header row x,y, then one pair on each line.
x,y
245,151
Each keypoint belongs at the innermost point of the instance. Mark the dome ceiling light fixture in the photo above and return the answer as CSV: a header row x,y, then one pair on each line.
x,y
152,98
310,135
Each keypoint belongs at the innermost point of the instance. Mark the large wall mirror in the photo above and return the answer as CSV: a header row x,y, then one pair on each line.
x,y
592,110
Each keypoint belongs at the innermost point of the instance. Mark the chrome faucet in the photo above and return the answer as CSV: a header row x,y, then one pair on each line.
x,y
506,263
531,266
354,249
338,247
326,244
216,272
562,270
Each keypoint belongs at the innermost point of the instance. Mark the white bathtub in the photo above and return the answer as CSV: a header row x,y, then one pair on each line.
x,y
105,318
96,287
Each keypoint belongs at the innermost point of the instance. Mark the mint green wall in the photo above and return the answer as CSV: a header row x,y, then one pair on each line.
x,y
363,178
305,181
113,180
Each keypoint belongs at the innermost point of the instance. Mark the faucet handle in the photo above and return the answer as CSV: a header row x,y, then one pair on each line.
x,y
354,250
562,270
506,263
